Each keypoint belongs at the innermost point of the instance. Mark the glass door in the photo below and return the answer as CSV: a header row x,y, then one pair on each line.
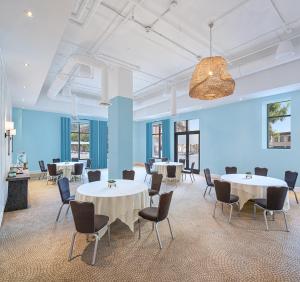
x,y
193,151
181,147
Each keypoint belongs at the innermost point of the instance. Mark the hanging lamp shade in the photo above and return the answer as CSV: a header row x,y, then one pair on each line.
x,y
211,79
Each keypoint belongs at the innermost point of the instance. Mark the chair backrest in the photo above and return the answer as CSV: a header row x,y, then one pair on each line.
x,y
223,189
75,159
148,168
208,177
94,175
156,182
171,171
78,168
57,160
231,170
262,171
164,205
83,214
290,177
128,174
42,166
64,188
151,162
52,169
192,166
164,159
276,197
183,162
88,163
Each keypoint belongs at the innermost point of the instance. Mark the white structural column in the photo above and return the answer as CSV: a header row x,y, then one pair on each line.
x,y
120,121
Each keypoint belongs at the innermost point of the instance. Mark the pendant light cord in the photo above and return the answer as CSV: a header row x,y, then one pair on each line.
x,y
210,38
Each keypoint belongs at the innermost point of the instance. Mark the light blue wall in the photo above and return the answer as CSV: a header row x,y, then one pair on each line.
x,y
38,135
139,142
235,134
120,136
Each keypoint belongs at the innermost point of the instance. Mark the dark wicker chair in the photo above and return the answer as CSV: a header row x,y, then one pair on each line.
x,y
128,174
86,222
43,169
78,169
209,183
155,186
171,174
157,214
290,178
273,203
151,162
88,164
94,175
57,160
53,174
231,170
64,191
262,171
148,171
189,172
224,196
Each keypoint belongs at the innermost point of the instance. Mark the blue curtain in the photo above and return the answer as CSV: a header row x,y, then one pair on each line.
x,y
65,136
148,141
94,148
103,131
166,138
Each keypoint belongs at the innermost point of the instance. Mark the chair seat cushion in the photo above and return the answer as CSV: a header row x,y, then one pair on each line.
x,y
261,202
71,198
149,213
233,198
100,221
186,171
153,192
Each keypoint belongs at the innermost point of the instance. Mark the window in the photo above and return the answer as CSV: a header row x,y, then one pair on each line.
x,y
80,140
157,140
279,125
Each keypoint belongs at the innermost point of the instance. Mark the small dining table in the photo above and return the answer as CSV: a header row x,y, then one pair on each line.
x,y
123,201
161,168
67,168
254,187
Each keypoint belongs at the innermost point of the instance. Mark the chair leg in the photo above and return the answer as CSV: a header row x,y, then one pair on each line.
x,y
214,213
266,219
139,223
68,209
170,228
205,191
254,211
151,201
108,234
59,212
72,246
191,178
285,221
231,207
296,197
145,177
157,235
209,190
95,249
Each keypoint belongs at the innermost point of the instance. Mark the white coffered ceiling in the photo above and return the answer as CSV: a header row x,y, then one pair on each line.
x,y
159,40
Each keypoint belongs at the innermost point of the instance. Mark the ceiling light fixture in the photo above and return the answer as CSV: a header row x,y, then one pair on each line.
x,y
26,65
211,79
24,87
29,13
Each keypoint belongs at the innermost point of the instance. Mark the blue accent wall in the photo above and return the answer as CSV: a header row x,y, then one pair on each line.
x,y
235,135
120,136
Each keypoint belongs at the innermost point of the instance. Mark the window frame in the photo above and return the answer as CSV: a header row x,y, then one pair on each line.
x,y
159,140
79,137
279,116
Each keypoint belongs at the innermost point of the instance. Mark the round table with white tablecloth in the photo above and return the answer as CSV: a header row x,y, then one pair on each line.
x,y
161,168
67,168
253,188
123,201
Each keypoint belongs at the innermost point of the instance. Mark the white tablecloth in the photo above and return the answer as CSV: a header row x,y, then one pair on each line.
x,y
68,167
123,201
253,188
161,168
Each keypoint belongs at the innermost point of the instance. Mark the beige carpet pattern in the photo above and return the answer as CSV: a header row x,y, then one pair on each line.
x,y
35,248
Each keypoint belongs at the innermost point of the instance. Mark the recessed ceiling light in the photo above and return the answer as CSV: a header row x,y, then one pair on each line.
x,y
28,13
24,87
26,65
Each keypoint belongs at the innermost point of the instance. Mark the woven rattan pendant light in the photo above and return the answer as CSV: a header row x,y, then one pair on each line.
x,y
210,79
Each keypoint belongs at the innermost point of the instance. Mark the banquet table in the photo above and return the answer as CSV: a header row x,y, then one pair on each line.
x,y
67,168
161,168
253,188
123,201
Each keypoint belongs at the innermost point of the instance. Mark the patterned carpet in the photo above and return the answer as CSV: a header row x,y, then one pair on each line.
x,y
34,248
